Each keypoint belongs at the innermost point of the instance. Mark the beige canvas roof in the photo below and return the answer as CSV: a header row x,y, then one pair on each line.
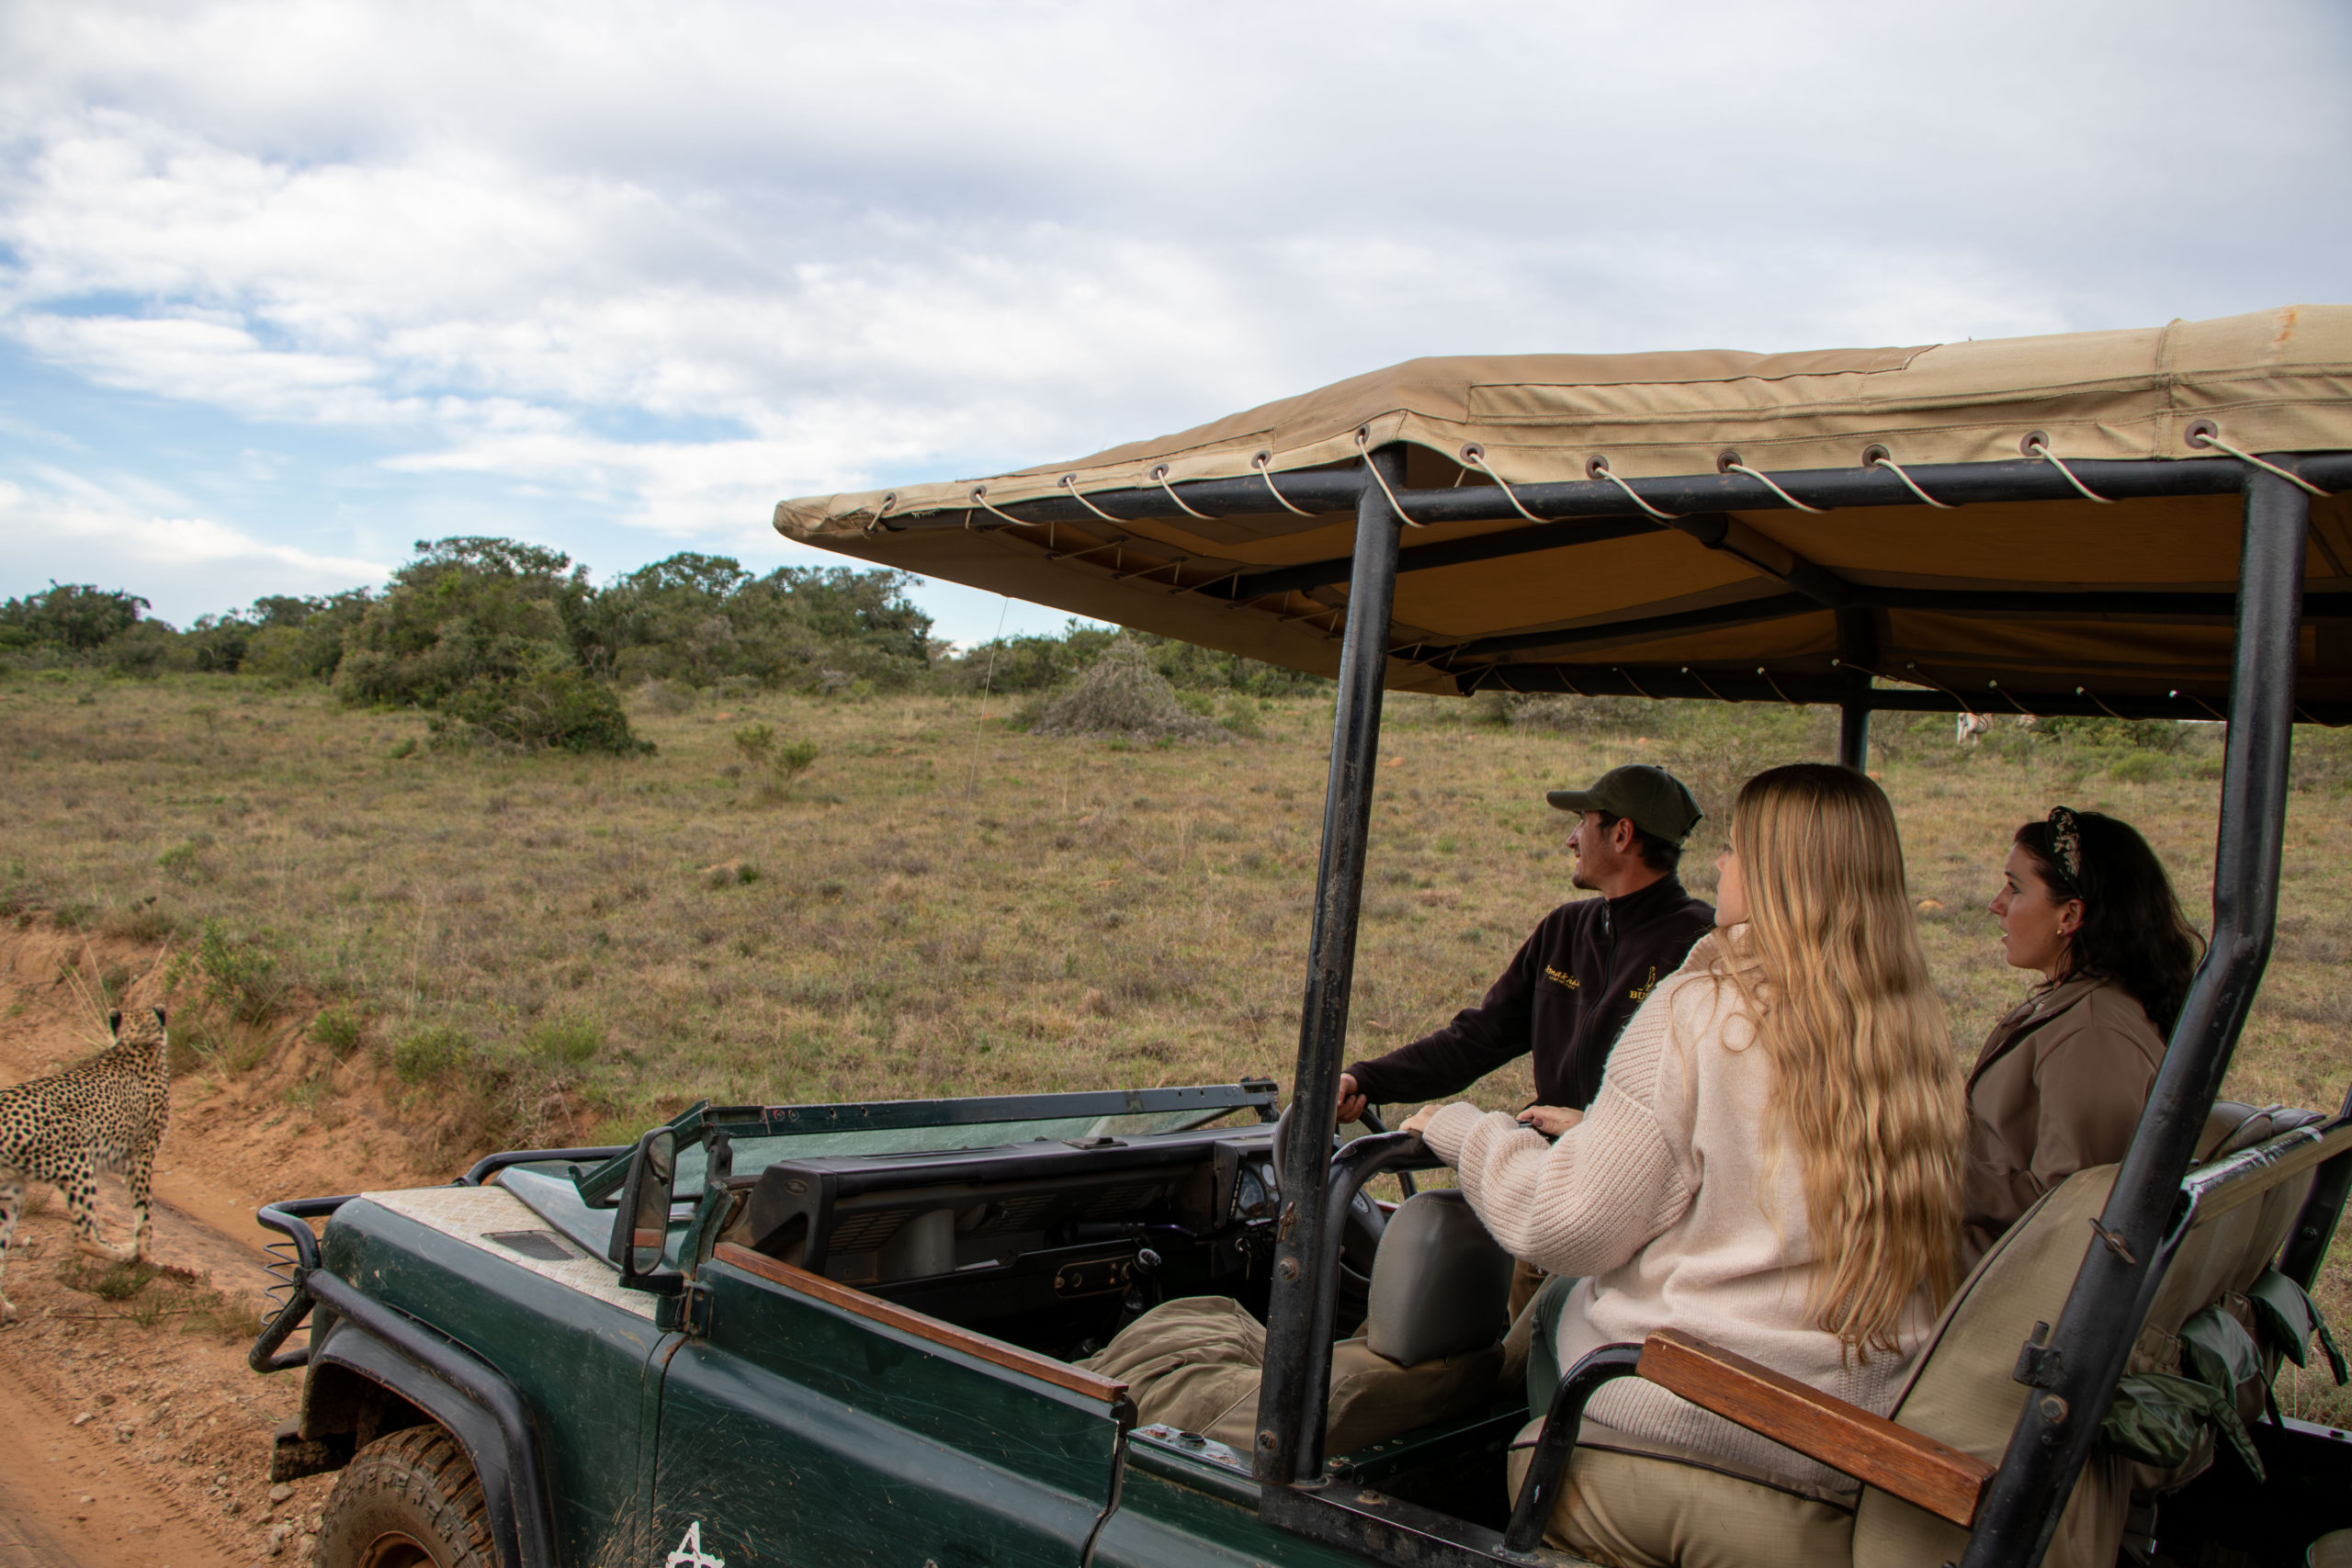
x,y
2275,381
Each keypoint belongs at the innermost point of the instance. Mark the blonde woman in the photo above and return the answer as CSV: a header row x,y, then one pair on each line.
x,y
1772,1163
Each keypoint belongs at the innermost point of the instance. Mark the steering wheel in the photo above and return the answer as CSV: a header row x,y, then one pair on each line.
x,y
1359,1233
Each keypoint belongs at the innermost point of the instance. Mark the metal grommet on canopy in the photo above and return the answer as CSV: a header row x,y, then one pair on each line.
x,y
2179,695
1776,687
1474,454
1364,444
1262,462
1880,458
980,498
1597,466
2037,444
2012,701
1928,680
2205,432
2087,692
1069,483
880,512
1729,463
1703,684
1161,474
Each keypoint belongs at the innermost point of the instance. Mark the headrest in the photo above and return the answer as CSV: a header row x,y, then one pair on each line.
x,y
1439,1285
2231,1127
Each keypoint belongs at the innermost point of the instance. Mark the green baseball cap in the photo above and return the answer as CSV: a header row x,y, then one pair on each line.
x,y
1654,799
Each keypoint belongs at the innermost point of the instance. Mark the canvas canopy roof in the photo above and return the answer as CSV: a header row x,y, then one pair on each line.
x,y
1529,568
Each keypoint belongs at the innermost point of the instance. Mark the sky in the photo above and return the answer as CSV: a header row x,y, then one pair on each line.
x,y
285,288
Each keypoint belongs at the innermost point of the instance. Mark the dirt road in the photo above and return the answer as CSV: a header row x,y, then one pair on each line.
x,y
132,1435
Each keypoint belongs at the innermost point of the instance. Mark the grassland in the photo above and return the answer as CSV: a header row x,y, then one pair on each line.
x,y
556,946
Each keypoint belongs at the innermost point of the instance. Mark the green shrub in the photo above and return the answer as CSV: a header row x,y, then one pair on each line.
x,y
551,706
431,1053
2164,735
757,742
197,1041
2138,767
139,922
239,977
186,862
566,1043
339,1029
1239,716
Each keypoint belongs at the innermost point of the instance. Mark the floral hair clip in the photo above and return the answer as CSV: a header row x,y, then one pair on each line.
x,y
2066,842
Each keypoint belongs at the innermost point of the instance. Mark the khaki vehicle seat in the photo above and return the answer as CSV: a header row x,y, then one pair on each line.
x,y
1962,1391
1440,1291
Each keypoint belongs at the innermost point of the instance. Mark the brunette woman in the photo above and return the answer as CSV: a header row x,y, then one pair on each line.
x,y
1773,1165
2061,1081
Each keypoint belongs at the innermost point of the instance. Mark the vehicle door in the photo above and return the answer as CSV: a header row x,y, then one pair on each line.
x,y
805,1422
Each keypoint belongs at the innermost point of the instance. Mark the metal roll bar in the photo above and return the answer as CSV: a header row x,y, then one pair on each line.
x,y
1330,972
2077,1367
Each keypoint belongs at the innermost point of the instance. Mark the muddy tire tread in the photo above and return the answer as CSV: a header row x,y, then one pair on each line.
x,y
420,1472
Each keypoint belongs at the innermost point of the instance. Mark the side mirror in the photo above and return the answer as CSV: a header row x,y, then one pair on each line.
x,y
641,1222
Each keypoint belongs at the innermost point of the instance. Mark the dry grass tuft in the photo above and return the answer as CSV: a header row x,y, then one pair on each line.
x,y
1122,695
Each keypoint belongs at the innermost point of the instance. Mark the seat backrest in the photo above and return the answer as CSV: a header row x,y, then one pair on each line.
x,y
1963,1392
2232,1126
1439,1285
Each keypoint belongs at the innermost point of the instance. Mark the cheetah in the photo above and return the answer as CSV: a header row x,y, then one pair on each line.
x,y
108,1111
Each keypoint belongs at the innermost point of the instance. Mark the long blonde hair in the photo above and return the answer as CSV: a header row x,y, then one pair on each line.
x,y
1864,1083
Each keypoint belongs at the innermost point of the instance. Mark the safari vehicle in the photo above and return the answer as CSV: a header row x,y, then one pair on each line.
x,y
843,1334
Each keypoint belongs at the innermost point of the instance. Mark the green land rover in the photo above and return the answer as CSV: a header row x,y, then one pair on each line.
x,y
853,1334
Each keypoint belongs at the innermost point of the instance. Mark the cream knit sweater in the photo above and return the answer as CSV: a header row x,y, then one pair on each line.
x,y
1677,1210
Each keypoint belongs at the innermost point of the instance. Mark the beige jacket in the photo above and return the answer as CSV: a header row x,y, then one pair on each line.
x,y
1678,1209
2058,1088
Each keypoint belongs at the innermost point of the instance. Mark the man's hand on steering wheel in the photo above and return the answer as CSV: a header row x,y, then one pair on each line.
x,y
1352,1099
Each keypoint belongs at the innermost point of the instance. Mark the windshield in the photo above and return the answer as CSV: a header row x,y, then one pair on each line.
x,y
758,1153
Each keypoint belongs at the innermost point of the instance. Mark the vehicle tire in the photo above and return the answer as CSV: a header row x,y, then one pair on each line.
x,y
411,1500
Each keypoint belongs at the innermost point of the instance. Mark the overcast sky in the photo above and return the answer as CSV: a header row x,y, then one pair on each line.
x,y
285,288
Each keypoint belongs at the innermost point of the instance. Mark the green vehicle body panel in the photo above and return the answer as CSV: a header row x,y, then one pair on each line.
x,y
1178,1512
583,1366
794,1432
783,1428
797,1433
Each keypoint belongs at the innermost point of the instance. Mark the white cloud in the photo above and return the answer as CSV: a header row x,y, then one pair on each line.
x,y
675,264
67,527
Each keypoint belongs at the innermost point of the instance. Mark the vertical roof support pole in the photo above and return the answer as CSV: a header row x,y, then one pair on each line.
x,y
1289,1443
1857,646
1854,735
2076,1366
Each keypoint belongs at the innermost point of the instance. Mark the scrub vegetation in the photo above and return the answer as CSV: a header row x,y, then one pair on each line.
x,y
550,944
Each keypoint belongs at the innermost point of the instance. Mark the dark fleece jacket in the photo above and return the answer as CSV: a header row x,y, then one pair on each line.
x,y
1565,998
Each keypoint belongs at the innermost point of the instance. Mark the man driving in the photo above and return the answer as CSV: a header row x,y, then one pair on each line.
x,y
1577,980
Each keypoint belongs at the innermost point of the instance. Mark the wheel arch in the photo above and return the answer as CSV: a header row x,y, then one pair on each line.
x,y
360,1388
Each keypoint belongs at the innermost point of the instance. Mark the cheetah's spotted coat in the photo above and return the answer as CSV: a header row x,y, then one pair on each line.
x,y
109,1112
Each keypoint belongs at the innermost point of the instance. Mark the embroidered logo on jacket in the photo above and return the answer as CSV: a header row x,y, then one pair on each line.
x,y
1641,993
1560,977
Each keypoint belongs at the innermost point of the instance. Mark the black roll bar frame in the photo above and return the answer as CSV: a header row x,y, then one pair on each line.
x,y
2077,1367
1285,1399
